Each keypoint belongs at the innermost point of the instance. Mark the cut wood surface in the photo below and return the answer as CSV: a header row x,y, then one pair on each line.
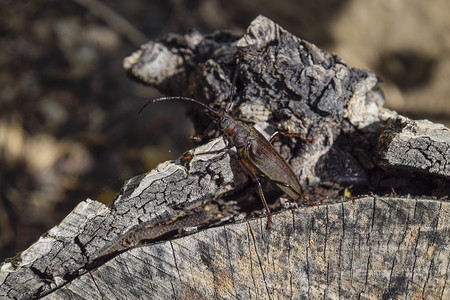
x,y
185,230
372,247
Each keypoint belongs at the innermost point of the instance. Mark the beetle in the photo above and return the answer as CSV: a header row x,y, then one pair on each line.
x,y
256,154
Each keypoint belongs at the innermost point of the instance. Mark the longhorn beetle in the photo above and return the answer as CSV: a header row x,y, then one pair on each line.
x,y
256,154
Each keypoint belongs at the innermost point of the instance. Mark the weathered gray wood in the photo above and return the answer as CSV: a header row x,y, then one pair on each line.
x,y
371,248
418,145
143,246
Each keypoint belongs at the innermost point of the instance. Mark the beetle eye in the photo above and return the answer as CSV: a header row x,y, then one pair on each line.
x,y
224,123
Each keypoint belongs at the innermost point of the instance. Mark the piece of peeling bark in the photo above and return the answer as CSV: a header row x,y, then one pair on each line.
x,y
421,145
284,83
144,245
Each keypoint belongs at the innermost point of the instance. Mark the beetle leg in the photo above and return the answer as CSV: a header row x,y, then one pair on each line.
x,y
261,194
205,133
263,199
276,133
188,156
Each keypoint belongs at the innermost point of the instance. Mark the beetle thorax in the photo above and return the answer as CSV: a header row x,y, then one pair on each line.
x,y
236,132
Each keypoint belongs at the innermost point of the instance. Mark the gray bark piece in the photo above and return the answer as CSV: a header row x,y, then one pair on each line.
x,y
93,230
143,246
285,83
418,145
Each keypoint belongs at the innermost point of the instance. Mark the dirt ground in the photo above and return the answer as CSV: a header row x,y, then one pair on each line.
x,y
69,128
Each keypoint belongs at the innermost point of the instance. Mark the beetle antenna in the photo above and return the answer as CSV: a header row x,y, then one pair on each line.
x,y
233,84
214,112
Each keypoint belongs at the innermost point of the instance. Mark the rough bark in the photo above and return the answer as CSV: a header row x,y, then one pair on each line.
x,y
165,237
284,83
421,146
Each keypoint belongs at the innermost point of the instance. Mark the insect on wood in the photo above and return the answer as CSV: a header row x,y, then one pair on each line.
x,y
256,154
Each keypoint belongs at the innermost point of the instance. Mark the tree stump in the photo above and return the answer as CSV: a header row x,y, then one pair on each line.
x,y
188,229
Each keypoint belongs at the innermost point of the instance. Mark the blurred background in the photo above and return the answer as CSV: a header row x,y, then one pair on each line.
x,y
69,128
